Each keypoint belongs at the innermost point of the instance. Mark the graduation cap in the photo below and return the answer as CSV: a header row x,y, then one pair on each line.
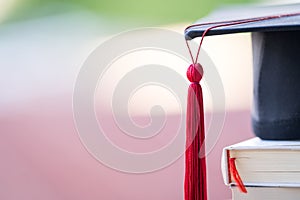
x,y
276,62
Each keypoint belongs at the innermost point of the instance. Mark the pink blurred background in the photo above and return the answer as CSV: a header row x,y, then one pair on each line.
x,y
42,158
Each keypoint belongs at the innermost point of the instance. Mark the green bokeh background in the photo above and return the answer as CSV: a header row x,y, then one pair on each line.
x,y
150,12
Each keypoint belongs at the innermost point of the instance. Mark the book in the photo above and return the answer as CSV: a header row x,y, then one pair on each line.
x,y
263,193
263,163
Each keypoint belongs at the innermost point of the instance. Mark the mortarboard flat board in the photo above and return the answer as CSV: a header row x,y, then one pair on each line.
x,y
276,64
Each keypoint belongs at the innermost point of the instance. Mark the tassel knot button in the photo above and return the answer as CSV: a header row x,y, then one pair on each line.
x,y
194,73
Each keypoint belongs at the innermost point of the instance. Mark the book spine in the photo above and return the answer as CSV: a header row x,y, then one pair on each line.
x,y
225,166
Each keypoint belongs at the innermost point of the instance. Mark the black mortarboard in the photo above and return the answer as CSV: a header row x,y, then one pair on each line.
x,y
276,60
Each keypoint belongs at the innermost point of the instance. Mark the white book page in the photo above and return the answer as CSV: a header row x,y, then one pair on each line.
x,y
257,143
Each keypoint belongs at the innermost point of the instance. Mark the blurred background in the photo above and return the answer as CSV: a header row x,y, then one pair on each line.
x,y
42,47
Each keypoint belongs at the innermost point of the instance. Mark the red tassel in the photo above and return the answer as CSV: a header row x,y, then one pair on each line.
x,y
195,187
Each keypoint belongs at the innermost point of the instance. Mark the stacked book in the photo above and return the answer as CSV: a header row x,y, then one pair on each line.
x,y
262,169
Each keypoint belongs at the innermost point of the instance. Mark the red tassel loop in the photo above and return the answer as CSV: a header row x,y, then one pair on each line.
x,y
195,187
235,175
